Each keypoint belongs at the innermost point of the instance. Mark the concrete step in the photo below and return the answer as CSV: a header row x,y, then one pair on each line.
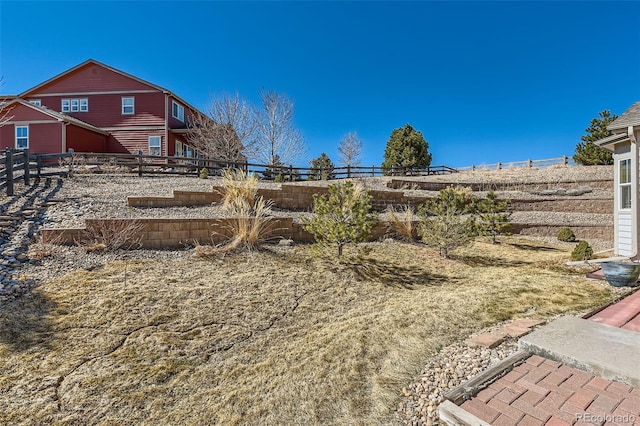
x,y
600,349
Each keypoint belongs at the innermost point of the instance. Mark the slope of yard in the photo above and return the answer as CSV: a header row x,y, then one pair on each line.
x,y
266,338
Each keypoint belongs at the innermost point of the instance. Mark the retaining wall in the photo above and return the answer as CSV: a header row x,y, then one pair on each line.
x,y
499,186
300,198
173,233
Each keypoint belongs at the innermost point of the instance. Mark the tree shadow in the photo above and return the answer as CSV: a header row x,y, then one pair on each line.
x,y
25,322
393,275
484,262
530,247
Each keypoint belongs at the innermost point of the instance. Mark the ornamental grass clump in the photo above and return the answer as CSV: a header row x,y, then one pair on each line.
x,y
341,217
402,223
249,216
449,220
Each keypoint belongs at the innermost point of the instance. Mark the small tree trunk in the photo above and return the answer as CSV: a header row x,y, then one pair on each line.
x,y
340,245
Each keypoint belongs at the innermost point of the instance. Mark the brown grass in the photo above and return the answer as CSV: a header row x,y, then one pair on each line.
x,y
263,338
402,223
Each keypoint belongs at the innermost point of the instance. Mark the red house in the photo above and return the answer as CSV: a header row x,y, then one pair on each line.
x,y
96,108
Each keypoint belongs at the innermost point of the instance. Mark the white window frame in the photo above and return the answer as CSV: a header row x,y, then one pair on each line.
x,y
156,146
179,149
625,187
124,110
66,105
26,137
75,105
36,102
177,111
84,105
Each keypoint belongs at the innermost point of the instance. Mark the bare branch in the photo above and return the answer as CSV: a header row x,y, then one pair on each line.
x,y
278,141
350,149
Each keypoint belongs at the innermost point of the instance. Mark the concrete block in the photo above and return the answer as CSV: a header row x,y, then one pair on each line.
x,y
599,349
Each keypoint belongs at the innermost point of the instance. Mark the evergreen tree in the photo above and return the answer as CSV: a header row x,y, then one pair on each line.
x,y
448,221
322,168
342,217
587,152
493,217
406,151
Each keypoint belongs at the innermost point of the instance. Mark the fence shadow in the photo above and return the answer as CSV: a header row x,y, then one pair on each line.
x,y
25,322
393,275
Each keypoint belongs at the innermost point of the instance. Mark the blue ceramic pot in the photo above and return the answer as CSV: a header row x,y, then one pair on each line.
x,y
621,274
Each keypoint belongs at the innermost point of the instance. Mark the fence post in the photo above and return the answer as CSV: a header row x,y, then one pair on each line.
x,y
9,167
290,172
38,165
564,160
529,163
139,163
348,170
25,157
473,168
373,170
499,166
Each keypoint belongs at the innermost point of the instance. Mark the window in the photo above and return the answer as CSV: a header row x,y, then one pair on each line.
x,y
625,183
128,106
178,111
154,145
179,149
36,102
22,137
75,105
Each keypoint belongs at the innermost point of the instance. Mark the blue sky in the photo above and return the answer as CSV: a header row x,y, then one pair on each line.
x,y
484,81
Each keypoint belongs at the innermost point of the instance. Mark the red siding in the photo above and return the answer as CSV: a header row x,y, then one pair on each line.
x,y
20,112
90,78
106,110
174,123
83,140
135,140
44,138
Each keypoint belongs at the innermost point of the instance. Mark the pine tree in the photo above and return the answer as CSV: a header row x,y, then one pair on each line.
x,y
406,151
322,168
493,217
587,152
448,221
342,217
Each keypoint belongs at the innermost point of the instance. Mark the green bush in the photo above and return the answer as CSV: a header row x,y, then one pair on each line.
x,y
449,220
204,173
582,251
566,235
342,217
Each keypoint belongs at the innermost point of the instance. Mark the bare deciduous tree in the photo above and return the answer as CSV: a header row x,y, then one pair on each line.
x,y
226,130
350,149
4,112
277,139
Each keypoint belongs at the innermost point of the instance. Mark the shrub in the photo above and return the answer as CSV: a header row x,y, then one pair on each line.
x,y
111,234
342,217
493,217
566,235
582,251
322,168
402,223
448,221
248,224
204,173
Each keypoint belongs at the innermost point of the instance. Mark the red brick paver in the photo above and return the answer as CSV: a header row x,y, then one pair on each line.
x,y
544,392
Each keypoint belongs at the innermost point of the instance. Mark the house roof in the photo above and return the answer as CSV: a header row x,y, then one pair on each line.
x,y
100,64
613,139
57,115
631,117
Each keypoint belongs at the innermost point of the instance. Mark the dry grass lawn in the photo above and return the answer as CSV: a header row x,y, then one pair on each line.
x,y
265,338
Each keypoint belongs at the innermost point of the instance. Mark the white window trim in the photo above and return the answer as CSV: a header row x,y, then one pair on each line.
x,y
625,184
180,111
132,106
159,145
21,137
36,102
74,105
68,105
84,101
